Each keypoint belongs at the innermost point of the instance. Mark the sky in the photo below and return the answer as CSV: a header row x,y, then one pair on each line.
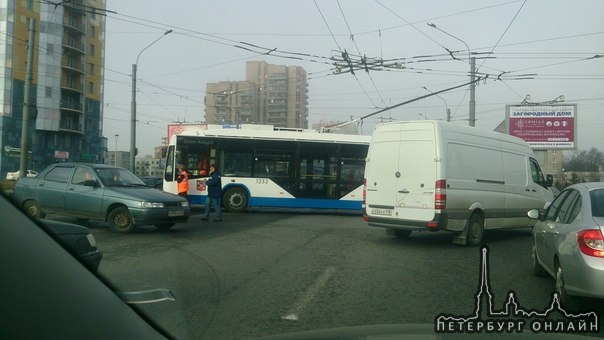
x,y
541,48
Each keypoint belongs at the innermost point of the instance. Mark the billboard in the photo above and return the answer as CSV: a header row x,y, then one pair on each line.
x,y
543,127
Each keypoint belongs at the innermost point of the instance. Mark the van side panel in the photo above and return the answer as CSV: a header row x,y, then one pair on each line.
x,y
475,180
516,178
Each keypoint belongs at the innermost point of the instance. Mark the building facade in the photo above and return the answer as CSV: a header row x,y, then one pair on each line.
x,y
67,82
271,94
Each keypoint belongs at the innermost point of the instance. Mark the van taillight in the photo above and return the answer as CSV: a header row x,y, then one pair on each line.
x,y
364,192
440,194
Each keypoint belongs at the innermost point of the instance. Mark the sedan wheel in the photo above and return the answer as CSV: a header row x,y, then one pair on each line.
x,y
120,220
567,301
32,209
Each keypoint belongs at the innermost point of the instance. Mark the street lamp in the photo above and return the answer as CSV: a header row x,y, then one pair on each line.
x,y
447,112
472,61
115,155
133,105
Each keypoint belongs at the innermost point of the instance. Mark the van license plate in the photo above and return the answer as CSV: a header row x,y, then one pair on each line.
x,y
382,212
174,213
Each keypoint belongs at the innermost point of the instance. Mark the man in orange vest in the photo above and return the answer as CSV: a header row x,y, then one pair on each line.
x,y
183,182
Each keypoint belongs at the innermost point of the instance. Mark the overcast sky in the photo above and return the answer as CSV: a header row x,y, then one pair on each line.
x,y
545,47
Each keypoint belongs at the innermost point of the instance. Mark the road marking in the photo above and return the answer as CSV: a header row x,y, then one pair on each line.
x,y
294,313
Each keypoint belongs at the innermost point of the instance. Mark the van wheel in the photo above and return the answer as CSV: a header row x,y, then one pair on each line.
x,y
120,220
235,200
475,230
402,234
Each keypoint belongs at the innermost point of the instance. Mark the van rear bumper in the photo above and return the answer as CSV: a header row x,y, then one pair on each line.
x,y
439,222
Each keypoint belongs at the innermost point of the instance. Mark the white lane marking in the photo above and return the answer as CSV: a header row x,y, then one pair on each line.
x,y
313,290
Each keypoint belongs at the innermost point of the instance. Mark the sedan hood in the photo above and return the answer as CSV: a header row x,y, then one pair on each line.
x,y
142,193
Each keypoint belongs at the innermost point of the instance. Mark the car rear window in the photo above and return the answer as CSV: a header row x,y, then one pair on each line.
x,y
597,202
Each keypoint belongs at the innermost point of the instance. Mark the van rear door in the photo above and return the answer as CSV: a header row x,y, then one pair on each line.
x,y
382,162
416,175
401,172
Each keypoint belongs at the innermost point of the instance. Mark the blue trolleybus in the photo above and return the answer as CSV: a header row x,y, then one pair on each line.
x,y
263,166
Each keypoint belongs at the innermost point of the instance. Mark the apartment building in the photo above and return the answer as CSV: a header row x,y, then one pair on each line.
x,y
67,82
271,94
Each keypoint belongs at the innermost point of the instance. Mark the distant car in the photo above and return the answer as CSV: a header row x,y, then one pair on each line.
x,y
568,241
13,176
100,192
76,239
155,182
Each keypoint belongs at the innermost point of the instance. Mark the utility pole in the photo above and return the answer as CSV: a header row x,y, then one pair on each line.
x,y
27,104
133,121
472,91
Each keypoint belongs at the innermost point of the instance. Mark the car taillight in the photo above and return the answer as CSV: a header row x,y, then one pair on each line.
x,y
591,242
440,194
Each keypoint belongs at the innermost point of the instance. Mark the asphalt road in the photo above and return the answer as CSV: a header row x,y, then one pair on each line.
x,y
272,272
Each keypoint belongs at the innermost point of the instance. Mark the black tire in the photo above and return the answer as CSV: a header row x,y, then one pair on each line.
x,y
120,220
235,200
32,209
538,269
164,226
475,230
401,233
566,300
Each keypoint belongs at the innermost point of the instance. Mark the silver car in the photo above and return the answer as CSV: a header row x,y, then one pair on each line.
x,y
568,242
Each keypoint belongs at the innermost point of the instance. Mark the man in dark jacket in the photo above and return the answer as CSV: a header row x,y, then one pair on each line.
x,y
214,185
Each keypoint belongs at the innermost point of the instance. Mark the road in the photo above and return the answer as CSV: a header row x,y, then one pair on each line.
x,y
273,272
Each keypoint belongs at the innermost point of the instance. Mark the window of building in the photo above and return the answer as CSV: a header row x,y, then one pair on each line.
x,y
48,91
92,49
90,87
92,30
91,68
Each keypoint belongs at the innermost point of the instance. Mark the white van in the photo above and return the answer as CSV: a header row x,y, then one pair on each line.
x,y
433,175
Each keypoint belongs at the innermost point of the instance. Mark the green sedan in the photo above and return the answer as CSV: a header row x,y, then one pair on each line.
x,y
99,192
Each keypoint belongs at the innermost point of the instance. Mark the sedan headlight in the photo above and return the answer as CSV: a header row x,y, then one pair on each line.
x,y
152,205
184,204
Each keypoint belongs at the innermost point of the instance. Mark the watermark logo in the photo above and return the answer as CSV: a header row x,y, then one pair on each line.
x,y
512,317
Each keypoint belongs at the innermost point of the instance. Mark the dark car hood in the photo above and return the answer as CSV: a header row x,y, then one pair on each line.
x,y
142,193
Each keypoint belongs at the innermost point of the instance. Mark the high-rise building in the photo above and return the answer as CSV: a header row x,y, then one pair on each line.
x,y
67,85
271,94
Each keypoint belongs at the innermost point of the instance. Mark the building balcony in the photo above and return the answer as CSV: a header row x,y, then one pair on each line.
x,y
77,5
72,107
71,86
71,127
73,67
74,27
78,47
